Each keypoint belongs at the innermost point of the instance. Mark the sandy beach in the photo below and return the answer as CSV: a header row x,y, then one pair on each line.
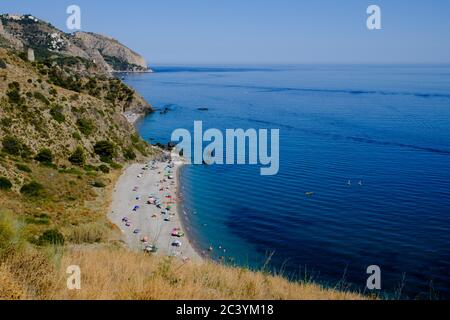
x,y
132,117
145,208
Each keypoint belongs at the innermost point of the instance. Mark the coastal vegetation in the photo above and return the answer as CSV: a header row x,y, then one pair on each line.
x,y
64,143
5,184
109,271
59,219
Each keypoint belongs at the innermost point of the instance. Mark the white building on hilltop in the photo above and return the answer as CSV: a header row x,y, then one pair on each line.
x,y
16,17
19,17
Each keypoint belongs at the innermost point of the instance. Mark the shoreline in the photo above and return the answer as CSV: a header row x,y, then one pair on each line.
x,y
133,117
187,227
190,251
144,225
131,72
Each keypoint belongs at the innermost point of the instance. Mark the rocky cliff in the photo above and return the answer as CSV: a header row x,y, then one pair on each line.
x,y
61,101
51,107
106,53
117,56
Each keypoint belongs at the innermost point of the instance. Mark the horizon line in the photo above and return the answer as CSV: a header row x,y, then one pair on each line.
x,y
170,63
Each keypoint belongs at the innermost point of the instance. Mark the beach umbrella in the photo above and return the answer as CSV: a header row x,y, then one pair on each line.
x,y
176,243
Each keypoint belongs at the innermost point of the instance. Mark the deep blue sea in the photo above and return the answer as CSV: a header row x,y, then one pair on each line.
x,y
386,129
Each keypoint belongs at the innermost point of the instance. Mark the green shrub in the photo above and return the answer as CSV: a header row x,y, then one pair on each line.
x,y
90,168
129,154
14,97
13,93
141,147
32,190
14,86
44,156
105,150
52,236
23,168
5,184
12,145
23,55
52,91
6,122
2,64
104,168
115,166
26,152
78,158
85,126
76,136
39,96
135,138
98,184
42,219
57,113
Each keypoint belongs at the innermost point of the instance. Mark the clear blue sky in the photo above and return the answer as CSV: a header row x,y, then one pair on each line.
x,y
262,31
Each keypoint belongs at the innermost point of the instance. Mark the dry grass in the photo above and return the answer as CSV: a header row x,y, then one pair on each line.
x,y
110,271
114,273
9,288
69,204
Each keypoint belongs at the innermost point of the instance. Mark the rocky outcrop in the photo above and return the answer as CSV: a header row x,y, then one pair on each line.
x,y
108,54
81,63
115,54
42,108
9,40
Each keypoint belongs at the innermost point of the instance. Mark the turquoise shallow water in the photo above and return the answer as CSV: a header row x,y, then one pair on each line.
x,y
387,127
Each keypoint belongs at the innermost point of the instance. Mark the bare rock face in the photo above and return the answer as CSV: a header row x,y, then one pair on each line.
x,y
9,39
116,55
108,54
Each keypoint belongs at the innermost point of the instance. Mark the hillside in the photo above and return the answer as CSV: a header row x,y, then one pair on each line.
x,y
47,105
20,32
64,141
